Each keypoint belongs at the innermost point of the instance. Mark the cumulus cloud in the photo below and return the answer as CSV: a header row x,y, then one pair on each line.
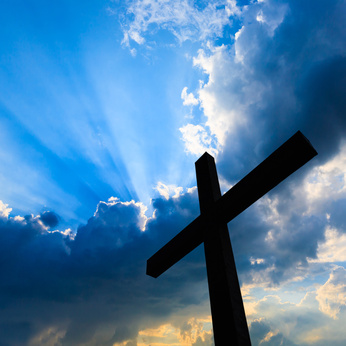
x,y
92,288
280,74
188,99
327,182
4,210
332,295
167,191
198,140
49,219
333,248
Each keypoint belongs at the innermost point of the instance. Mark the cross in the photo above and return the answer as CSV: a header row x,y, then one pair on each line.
x,y
210,227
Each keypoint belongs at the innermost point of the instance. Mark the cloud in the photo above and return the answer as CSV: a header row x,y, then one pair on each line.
x,y
182,19
275,321
327,182
4,210
263,335
92,288
333,248
287,323
215,94
49,219
195,331
189,99
332,295
198,140
283,71
168,190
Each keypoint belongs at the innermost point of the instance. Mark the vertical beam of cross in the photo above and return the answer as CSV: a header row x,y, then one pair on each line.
x,y
228,315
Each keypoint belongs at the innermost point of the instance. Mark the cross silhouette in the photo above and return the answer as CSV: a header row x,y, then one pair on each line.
x,y
210,227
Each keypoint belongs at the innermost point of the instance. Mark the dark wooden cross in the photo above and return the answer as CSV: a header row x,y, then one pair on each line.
x,y
210,227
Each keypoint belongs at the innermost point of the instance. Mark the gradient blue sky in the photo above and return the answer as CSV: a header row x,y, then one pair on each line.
x,y
104,108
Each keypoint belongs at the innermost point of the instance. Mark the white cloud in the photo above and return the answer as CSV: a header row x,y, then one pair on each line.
x,y
333,249
68,232
220,97
4,210
332,295
254,261
184,20
197,140
327,182
168,191
232,90
189,99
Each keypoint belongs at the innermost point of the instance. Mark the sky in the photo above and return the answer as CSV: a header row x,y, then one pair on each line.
x,y
104,108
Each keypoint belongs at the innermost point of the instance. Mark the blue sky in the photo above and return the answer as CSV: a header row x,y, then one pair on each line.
x,y
104,108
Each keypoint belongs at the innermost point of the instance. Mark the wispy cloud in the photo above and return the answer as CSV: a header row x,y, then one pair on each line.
x,y
183,19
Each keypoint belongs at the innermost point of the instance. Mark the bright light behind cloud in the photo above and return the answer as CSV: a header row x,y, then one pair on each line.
x,y
192,332
333,249
332,295
4,210
328,181
197,140
168,191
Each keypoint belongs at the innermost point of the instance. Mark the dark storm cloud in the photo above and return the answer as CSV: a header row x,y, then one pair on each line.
x,y
77,285
299,71
49,219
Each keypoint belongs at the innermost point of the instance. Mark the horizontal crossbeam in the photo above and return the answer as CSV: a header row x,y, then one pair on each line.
x,y
284,161
182,244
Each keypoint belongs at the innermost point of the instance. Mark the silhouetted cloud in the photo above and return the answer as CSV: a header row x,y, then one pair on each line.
x,y
49,219
70,287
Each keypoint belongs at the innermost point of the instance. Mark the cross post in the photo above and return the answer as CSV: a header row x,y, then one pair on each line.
x,y
224,291
210,227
